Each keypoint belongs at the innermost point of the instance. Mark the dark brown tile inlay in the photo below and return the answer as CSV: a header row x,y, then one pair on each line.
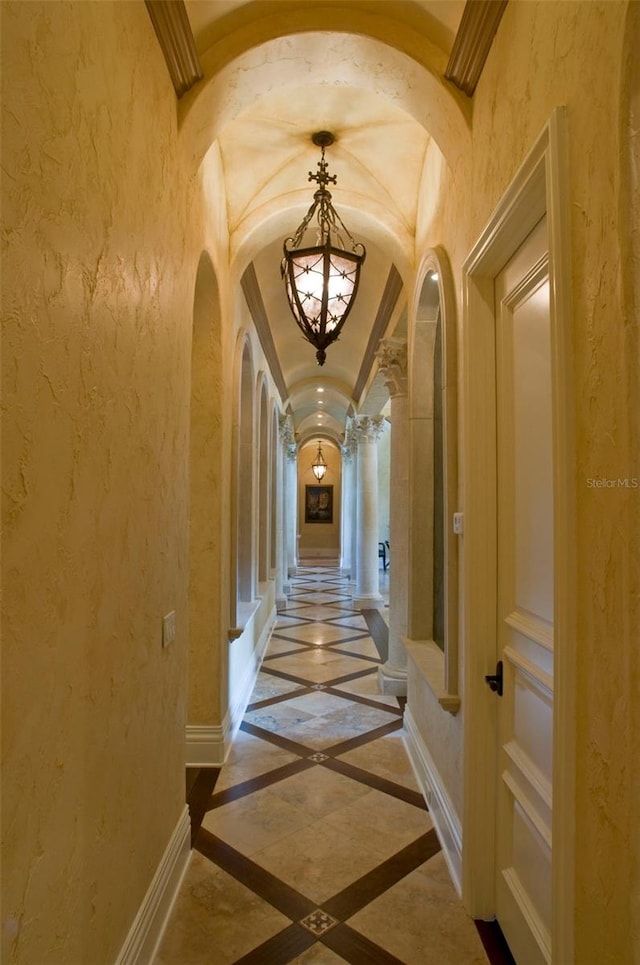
x,y
258,783
405,794
357,949
284,947
363,891
285,899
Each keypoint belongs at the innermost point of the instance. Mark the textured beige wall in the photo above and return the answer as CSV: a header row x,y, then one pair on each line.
x,y
544,55
97,296
208,619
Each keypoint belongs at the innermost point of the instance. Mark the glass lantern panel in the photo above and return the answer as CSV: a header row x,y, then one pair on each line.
x,y
343,274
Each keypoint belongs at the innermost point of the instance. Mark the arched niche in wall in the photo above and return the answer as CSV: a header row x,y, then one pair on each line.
x,y
263,500
276,483
206,619
433,550
242,489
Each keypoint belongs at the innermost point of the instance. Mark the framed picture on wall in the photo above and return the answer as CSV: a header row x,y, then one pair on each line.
x,y
318,504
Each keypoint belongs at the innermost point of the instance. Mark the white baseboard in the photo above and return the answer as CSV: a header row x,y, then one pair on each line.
x,y
146,932
443,814
207,745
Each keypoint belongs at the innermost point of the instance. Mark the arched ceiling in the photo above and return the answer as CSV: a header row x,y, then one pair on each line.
x,y
267,88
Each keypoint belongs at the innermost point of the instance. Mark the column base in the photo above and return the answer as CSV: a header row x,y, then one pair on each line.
x,y
392,680
281,603
286,589
345,571
370,601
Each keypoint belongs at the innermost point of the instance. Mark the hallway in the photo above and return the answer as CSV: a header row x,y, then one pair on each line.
x,y
315,845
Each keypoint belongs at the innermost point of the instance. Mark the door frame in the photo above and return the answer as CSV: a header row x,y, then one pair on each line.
x,y
541,186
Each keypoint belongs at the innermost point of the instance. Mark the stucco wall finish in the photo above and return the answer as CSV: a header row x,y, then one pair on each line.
x,y
96,332
544,55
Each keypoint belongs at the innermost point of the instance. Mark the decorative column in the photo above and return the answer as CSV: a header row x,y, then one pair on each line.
x,y
291,513
367,593
349,449
285,433
392,356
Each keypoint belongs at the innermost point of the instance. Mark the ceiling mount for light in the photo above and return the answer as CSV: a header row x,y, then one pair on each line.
x,y
319,465
322,281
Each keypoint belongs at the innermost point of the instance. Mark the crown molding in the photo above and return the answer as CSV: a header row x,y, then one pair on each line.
x,y
253,296
173,30
478,26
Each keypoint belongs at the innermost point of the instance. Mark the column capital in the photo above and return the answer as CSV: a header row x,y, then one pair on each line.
x,y
292,452
368,428
287,434
392,361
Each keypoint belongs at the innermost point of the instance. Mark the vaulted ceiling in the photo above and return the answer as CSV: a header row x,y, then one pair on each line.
x,y
271,85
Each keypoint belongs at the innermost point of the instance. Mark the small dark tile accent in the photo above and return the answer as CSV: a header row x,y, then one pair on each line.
x,y
285,899
318,922
357,949
284,947
366,889
318,758
495,944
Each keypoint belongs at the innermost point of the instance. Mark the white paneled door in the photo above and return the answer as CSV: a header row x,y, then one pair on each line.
x,y
525,612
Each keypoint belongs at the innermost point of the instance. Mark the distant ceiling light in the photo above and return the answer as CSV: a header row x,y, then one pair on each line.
x,y
319,465
433,275
322,281
320,390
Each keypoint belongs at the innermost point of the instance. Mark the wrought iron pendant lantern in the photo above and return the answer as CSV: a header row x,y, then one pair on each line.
x,y
319,465
322,281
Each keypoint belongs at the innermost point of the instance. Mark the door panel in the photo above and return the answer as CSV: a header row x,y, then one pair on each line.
x,y
525,601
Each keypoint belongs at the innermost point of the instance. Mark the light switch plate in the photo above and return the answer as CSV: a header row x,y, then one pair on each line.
x,y
169,628
458,523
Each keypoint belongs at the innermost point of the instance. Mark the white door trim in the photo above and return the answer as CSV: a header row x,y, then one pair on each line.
x,y
540,187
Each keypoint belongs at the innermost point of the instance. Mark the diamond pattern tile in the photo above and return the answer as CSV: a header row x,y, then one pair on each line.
x,y
313,843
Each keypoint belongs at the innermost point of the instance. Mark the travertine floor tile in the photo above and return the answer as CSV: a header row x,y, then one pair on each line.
x,y
260,758
319,665
421,920
269,686
277,717
215,919
317,864
319,703
376,817
256,821
322,633
385,757
319,792
318,955
318,830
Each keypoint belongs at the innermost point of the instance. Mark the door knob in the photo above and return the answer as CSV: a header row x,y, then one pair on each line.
x,y
495,680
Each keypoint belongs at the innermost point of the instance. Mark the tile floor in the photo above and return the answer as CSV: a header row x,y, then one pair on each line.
x,y
313,844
